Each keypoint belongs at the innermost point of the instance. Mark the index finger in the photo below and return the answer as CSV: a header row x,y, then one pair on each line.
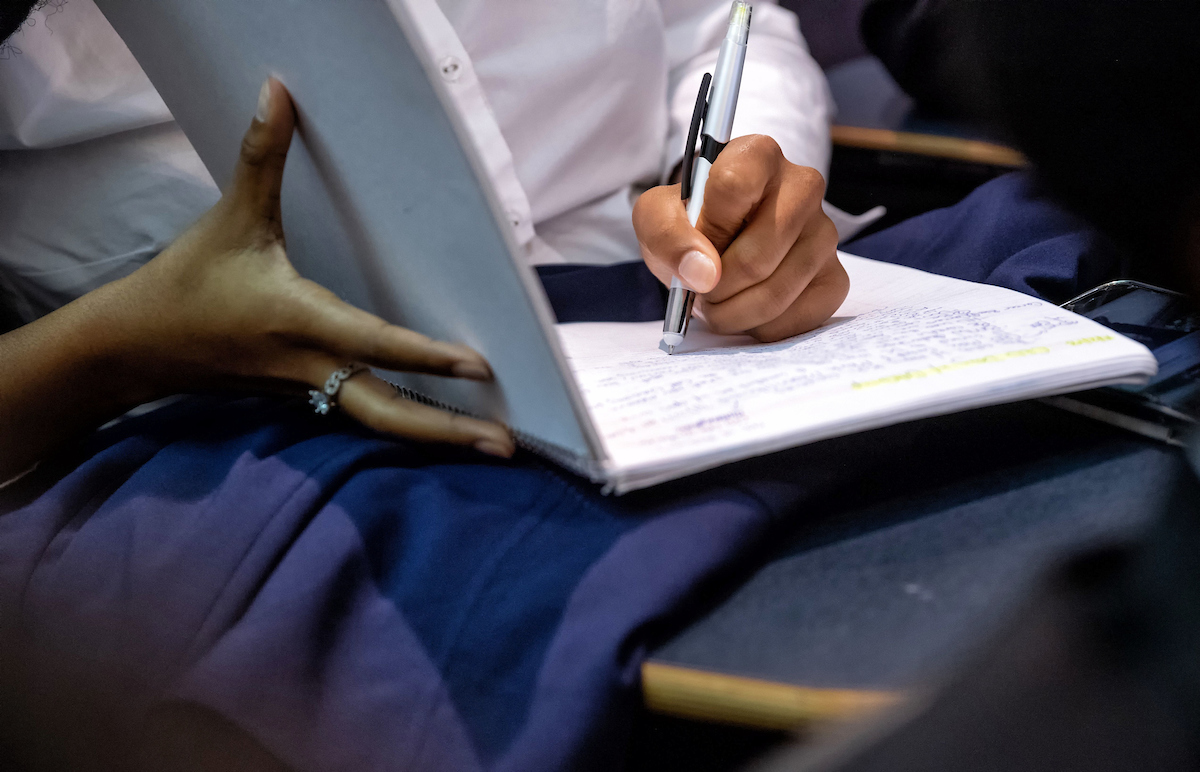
x,y
745,171
355,335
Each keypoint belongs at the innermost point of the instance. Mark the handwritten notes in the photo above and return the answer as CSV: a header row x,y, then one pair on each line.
x,y
904,344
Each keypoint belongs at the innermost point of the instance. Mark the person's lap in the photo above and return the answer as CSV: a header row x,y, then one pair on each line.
x,y
343,598
349,601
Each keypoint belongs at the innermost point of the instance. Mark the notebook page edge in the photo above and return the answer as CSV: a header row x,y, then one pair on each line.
x,y
627,479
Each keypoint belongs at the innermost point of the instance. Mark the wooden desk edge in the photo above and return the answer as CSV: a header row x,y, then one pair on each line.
x,y
927,144
730,699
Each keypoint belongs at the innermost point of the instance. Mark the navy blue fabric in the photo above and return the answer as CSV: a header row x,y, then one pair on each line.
x,y
1006,232
627,292
346,601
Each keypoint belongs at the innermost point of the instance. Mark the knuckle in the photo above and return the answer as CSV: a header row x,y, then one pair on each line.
x,y
818,239
253,151
373,342
755,267
727,184
720,320
822,234
809,175
831,232
764,145
839,283
808,178
748,261
257,153
777,298
457,426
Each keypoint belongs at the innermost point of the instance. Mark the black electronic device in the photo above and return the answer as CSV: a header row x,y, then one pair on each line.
x,y
1167,408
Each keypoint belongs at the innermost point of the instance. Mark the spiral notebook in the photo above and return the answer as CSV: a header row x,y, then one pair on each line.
x,y
387,203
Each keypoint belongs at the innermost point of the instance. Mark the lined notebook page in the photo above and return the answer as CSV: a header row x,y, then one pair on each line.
x,y
905,344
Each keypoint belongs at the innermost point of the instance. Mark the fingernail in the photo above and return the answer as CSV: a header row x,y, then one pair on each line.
x,y
473,370
494,448
264,102
467,364
698,271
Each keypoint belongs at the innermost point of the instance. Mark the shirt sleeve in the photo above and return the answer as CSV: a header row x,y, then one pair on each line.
x,y
73,80
783,95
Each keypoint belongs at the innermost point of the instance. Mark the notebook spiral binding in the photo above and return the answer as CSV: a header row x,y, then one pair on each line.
x,y
584,467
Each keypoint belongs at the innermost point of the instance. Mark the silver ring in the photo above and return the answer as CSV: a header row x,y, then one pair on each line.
x,y
324,401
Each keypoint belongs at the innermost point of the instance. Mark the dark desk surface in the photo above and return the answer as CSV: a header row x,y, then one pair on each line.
x,y
867,601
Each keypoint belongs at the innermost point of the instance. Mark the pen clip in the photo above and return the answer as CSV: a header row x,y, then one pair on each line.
x,y
689,150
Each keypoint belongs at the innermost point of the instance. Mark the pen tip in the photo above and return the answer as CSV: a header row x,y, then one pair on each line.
x,y
670,350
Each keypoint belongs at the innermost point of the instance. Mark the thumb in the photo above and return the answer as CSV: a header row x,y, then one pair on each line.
x,y
258,177
670,245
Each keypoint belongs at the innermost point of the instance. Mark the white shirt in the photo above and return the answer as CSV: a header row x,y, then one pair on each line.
x,y
575,105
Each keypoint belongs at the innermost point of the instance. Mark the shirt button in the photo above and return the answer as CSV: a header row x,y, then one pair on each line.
x,y
451,68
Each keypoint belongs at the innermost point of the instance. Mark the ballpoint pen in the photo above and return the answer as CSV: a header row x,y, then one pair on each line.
x,y
716,113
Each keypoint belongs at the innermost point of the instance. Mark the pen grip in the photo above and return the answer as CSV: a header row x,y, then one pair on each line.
x,y
679,311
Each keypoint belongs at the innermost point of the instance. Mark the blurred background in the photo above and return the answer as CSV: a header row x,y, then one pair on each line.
x,y
887,149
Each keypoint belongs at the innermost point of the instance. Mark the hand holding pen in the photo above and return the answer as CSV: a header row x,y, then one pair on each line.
x,y
753,241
